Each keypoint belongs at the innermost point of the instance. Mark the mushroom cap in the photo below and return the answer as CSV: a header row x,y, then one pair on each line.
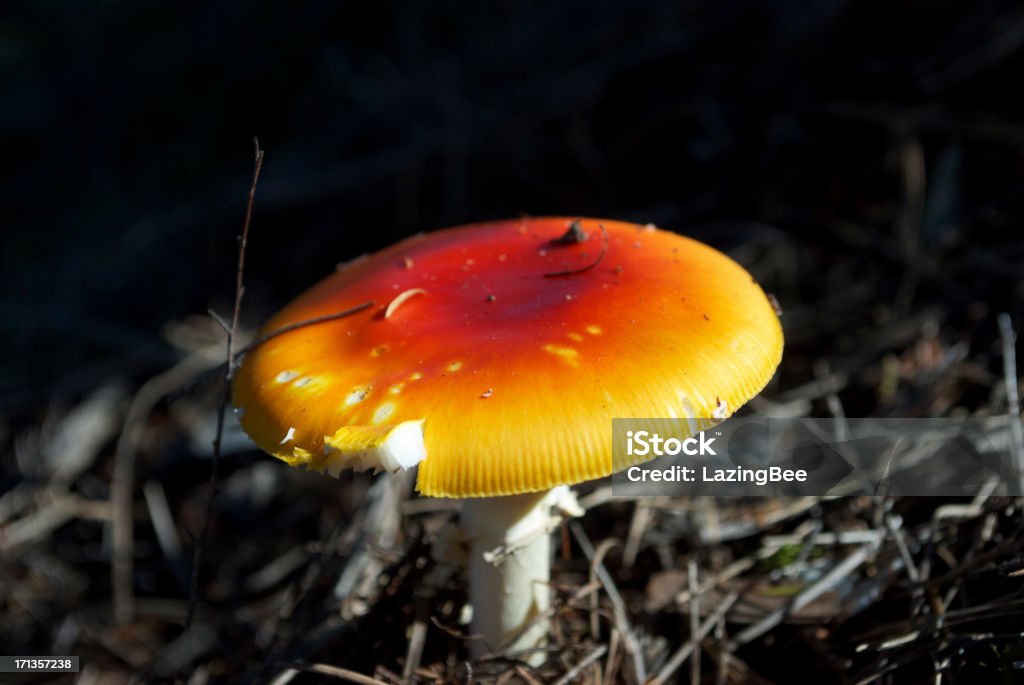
x,y
495,355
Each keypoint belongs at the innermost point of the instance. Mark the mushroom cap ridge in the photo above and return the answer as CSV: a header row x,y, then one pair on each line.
x,y
513,373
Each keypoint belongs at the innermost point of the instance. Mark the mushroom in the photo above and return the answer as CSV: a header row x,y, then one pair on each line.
x,y
494,358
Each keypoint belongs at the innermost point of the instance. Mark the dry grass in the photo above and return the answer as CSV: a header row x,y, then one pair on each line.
x,y
306,578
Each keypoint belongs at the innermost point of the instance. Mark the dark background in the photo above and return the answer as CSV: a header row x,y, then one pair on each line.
x,y
127,136
864,160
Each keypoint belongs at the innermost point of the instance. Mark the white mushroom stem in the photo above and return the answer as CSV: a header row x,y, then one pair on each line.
x,y
509,570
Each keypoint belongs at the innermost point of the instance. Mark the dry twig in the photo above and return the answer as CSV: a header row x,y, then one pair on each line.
x,y
243,241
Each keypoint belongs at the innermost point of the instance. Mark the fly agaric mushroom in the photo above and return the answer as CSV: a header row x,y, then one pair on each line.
x,y
494,358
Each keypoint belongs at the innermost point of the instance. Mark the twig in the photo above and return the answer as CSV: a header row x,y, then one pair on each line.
x,y
519,671
219,320
414,654
1012,395
60,508
122,488
454,632
637,527
166,534
82,433
893,523
327,669
229,374
621,617
728,573
614,660
691,579
601,495
242,351
764,518
684,652
602,550
578,669
277,570
724,656
242,243
808,595
380,529
823,370
302,324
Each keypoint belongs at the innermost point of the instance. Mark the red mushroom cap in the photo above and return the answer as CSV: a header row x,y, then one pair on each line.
x,y
496,354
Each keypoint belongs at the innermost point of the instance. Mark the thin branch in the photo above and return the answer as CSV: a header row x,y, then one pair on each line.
x,y
242,351
414,652
690,646
328,670
123,487
303,324
618,605
219,320
215,458
691,580
240,272
827,582
578,669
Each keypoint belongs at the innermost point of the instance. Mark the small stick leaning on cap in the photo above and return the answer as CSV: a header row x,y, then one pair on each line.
x,y
494,361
